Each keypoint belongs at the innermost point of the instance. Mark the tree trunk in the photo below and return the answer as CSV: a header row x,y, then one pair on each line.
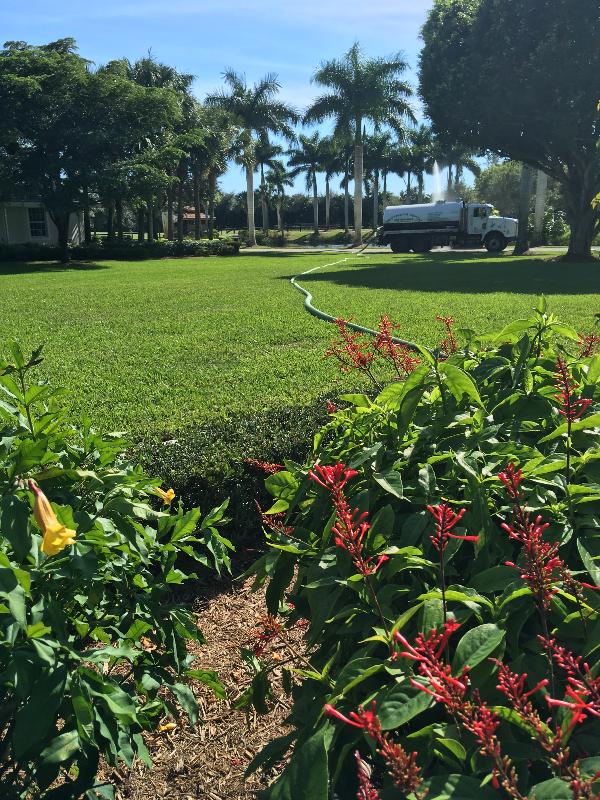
x,y
346,205
110,222
327,202
449,179
358,180
180,211
315,206
522,243
263,202
212,190
384,194
420,183
141,224
61,220
541,192
250,205
375,199
87,222
170,213
119,218
408,180
197,209
150,221
279,216
580,188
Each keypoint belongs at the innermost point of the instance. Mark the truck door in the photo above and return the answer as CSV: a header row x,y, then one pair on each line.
x,y
478,221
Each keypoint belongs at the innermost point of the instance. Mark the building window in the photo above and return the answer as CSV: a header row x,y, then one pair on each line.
x,y
37,222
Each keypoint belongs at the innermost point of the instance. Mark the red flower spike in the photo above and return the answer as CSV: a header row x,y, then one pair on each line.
x,y
449,345
400,356
331,407
571,407
265,466
446,519
366,790
511,478
333,478
352,351
588,344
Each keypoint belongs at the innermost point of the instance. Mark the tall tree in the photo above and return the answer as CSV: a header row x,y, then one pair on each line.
x,y
305,159
377,146
421,155
361,89
255,109
534,99
266,153
329,162
277,179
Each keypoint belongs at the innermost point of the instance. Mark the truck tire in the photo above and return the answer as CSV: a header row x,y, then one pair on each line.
x,y
397,247
422,245
495,242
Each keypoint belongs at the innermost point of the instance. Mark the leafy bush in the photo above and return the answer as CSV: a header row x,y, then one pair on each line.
x,y
92,637
443,541
127,250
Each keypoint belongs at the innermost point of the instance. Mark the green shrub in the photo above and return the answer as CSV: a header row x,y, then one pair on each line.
x,y
443,542
127,250
93,641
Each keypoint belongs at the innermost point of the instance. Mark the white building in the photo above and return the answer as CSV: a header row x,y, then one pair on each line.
x,y
24,222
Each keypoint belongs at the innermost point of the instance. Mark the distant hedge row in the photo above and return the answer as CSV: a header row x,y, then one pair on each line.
x,y
126,250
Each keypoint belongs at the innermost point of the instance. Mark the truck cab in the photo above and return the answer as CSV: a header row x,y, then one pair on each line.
x,y
421,227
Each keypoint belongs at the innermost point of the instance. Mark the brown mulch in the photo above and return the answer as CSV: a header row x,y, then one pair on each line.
x,y
208,762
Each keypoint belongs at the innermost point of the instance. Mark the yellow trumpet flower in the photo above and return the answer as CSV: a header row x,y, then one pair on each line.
x,y
167,497
56,535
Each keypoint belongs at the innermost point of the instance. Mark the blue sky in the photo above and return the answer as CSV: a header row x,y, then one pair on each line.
x,y
203,37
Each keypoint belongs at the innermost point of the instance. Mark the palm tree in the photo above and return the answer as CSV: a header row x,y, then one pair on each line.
x,y
362,89
266,152
422,155
329,162
256,110
456,159
377,147
305,158
277,179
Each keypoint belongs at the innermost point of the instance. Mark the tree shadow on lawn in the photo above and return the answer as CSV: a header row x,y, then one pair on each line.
x,y
465,273
31,267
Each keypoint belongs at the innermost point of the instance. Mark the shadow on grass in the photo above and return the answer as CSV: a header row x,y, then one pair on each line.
x,y
31,267
466,273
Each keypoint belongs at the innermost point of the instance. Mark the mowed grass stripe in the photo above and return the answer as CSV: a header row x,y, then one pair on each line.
x,y
159,345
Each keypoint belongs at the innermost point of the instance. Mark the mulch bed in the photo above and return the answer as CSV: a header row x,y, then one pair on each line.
x,y
208,762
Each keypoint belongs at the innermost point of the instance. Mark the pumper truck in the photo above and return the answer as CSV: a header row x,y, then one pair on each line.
x,y
455,223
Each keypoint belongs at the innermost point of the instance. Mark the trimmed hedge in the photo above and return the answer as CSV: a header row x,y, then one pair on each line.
x,y
126,250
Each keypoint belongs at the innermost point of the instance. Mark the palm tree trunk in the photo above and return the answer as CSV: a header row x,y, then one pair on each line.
x,y
250,205
421,182
522,243
150,220
327,202
358,180
263,202
141,224
279,216
212,190
346,205
170,213
384,196
375,199
197,210
110,222
315,206
408,180
449,178
119,218
541,192
180,210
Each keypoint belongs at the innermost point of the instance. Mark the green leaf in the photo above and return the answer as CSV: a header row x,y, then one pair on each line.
x,y
187,701
391,482
553,789
590,562
397,705
457,787
306,775
392,396
34,720
61,749
476,645
271,753
14,516
282,485
459,383
354,673
585,424
208,678
186,525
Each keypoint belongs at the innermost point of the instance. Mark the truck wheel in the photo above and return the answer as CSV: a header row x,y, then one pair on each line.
x,y
495,243
397,246
422,245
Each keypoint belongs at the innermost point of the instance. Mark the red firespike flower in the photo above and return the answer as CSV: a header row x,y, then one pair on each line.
x,y
579,675
352,351
449,345
572,408
579,702
366,790
275,522
588,344
265,466
582,789
445,520
402,766
332,478
543,566
351,525
401,357
331,407
268,630
511,478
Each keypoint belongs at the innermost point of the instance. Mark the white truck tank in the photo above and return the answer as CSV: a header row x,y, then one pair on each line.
x,y
441,213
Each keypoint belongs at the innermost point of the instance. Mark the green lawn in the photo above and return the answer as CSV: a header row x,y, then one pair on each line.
x,y
162,344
